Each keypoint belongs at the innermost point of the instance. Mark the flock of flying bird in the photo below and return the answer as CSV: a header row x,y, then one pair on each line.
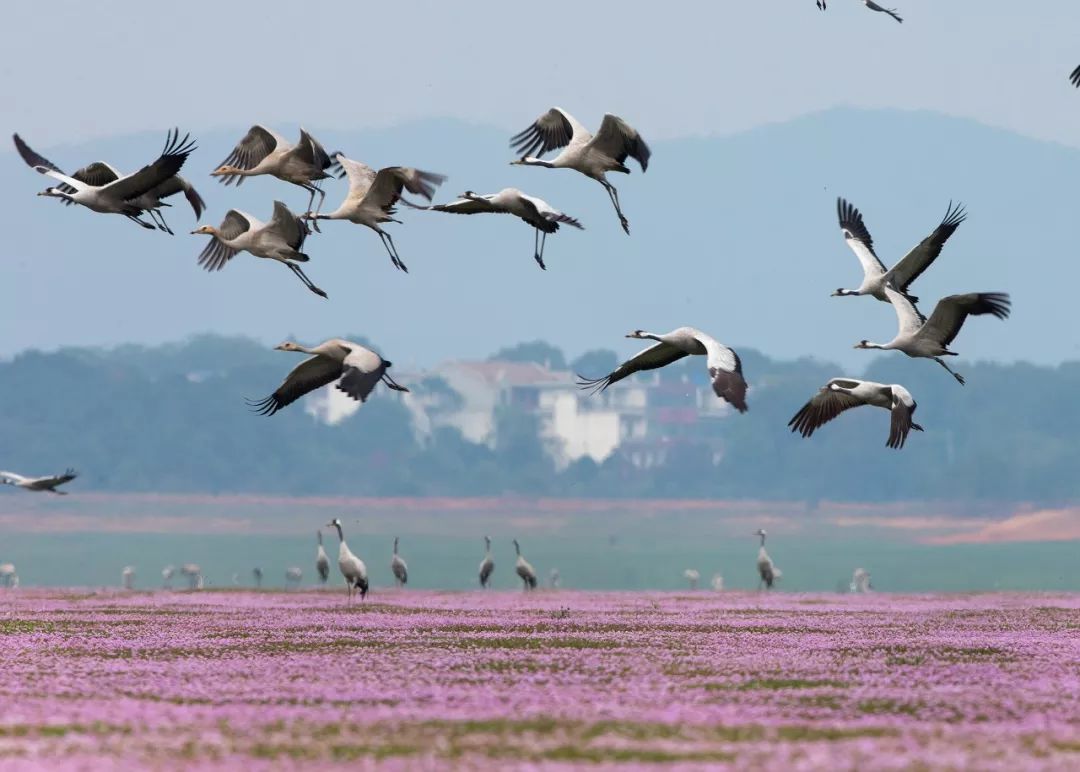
x,y
371,201
372,198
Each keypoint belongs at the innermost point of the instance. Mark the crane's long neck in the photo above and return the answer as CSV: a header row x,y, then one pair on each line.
x,y
649,336
340,535
517,549
533,161
395,545
319,534
762,540
487,546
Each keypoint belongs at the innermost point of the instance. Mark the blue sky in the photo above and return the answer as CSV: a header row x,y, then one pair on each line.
x,y
105,80
70,71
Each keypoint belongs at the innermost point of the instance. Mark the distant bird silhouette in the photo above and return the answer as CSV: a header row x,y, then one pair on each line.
x,y
524,569
399,567
692,576
351,567
293,576
48,484
487,565
322,562
766,568
167,574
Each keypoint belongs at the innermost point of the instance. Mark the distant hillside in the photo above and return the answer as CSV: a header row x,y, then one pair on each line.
x,y
734,234
173,419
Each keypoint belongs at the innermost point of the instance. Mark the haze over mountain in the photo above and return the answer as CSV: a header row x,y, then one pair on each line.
x,y
736,235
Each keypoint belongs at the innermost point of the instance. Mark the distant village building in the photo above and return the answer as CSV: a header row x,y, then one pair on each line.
x,y
642,418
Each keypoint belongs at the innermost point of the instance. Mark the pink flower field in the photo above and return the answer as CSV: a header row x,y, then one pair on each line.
x,y
547,679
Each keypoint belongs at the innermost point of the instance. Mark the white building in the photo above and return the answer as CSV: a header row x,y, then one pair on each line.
x,y
643,417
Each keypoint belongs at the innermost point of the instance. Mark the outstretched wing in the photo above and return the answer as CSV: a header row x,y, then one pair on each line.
x,y
824,407
858,238
32,159
361,176
554,129
293,229
922,256
479,205
362,370
386,188
656,355
167,164
618,139
950,313
900,423
311,151
875,7
311,374
177,184
217,253
250,151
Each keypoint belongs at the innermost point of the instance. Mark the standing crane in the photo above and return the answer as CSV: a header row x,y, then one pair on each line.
x,y
322,562
351,567
293,576
524,569
766,568
399,567
487,565
167,574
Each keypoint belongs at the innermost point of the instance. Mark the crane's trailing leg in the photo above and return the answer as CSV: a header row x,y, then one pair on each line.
x,y
312,189
955,374
156,214
137,221
307,282
538,249
613,194
388,242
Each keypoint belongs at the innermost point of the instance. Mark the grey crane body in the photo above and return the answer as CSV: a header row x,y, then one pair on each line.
x,y
722,363
357,369
524,569
264,151
875,275
322,561
543,217
281,240
399,567
841,394
373,194
593,156
293,576
352,568
767,570
124,195
920,337
487,565
47,484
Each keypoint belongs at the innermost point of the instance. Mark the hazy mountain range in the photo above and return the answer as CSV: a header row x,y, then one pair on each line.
x,y
736,235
